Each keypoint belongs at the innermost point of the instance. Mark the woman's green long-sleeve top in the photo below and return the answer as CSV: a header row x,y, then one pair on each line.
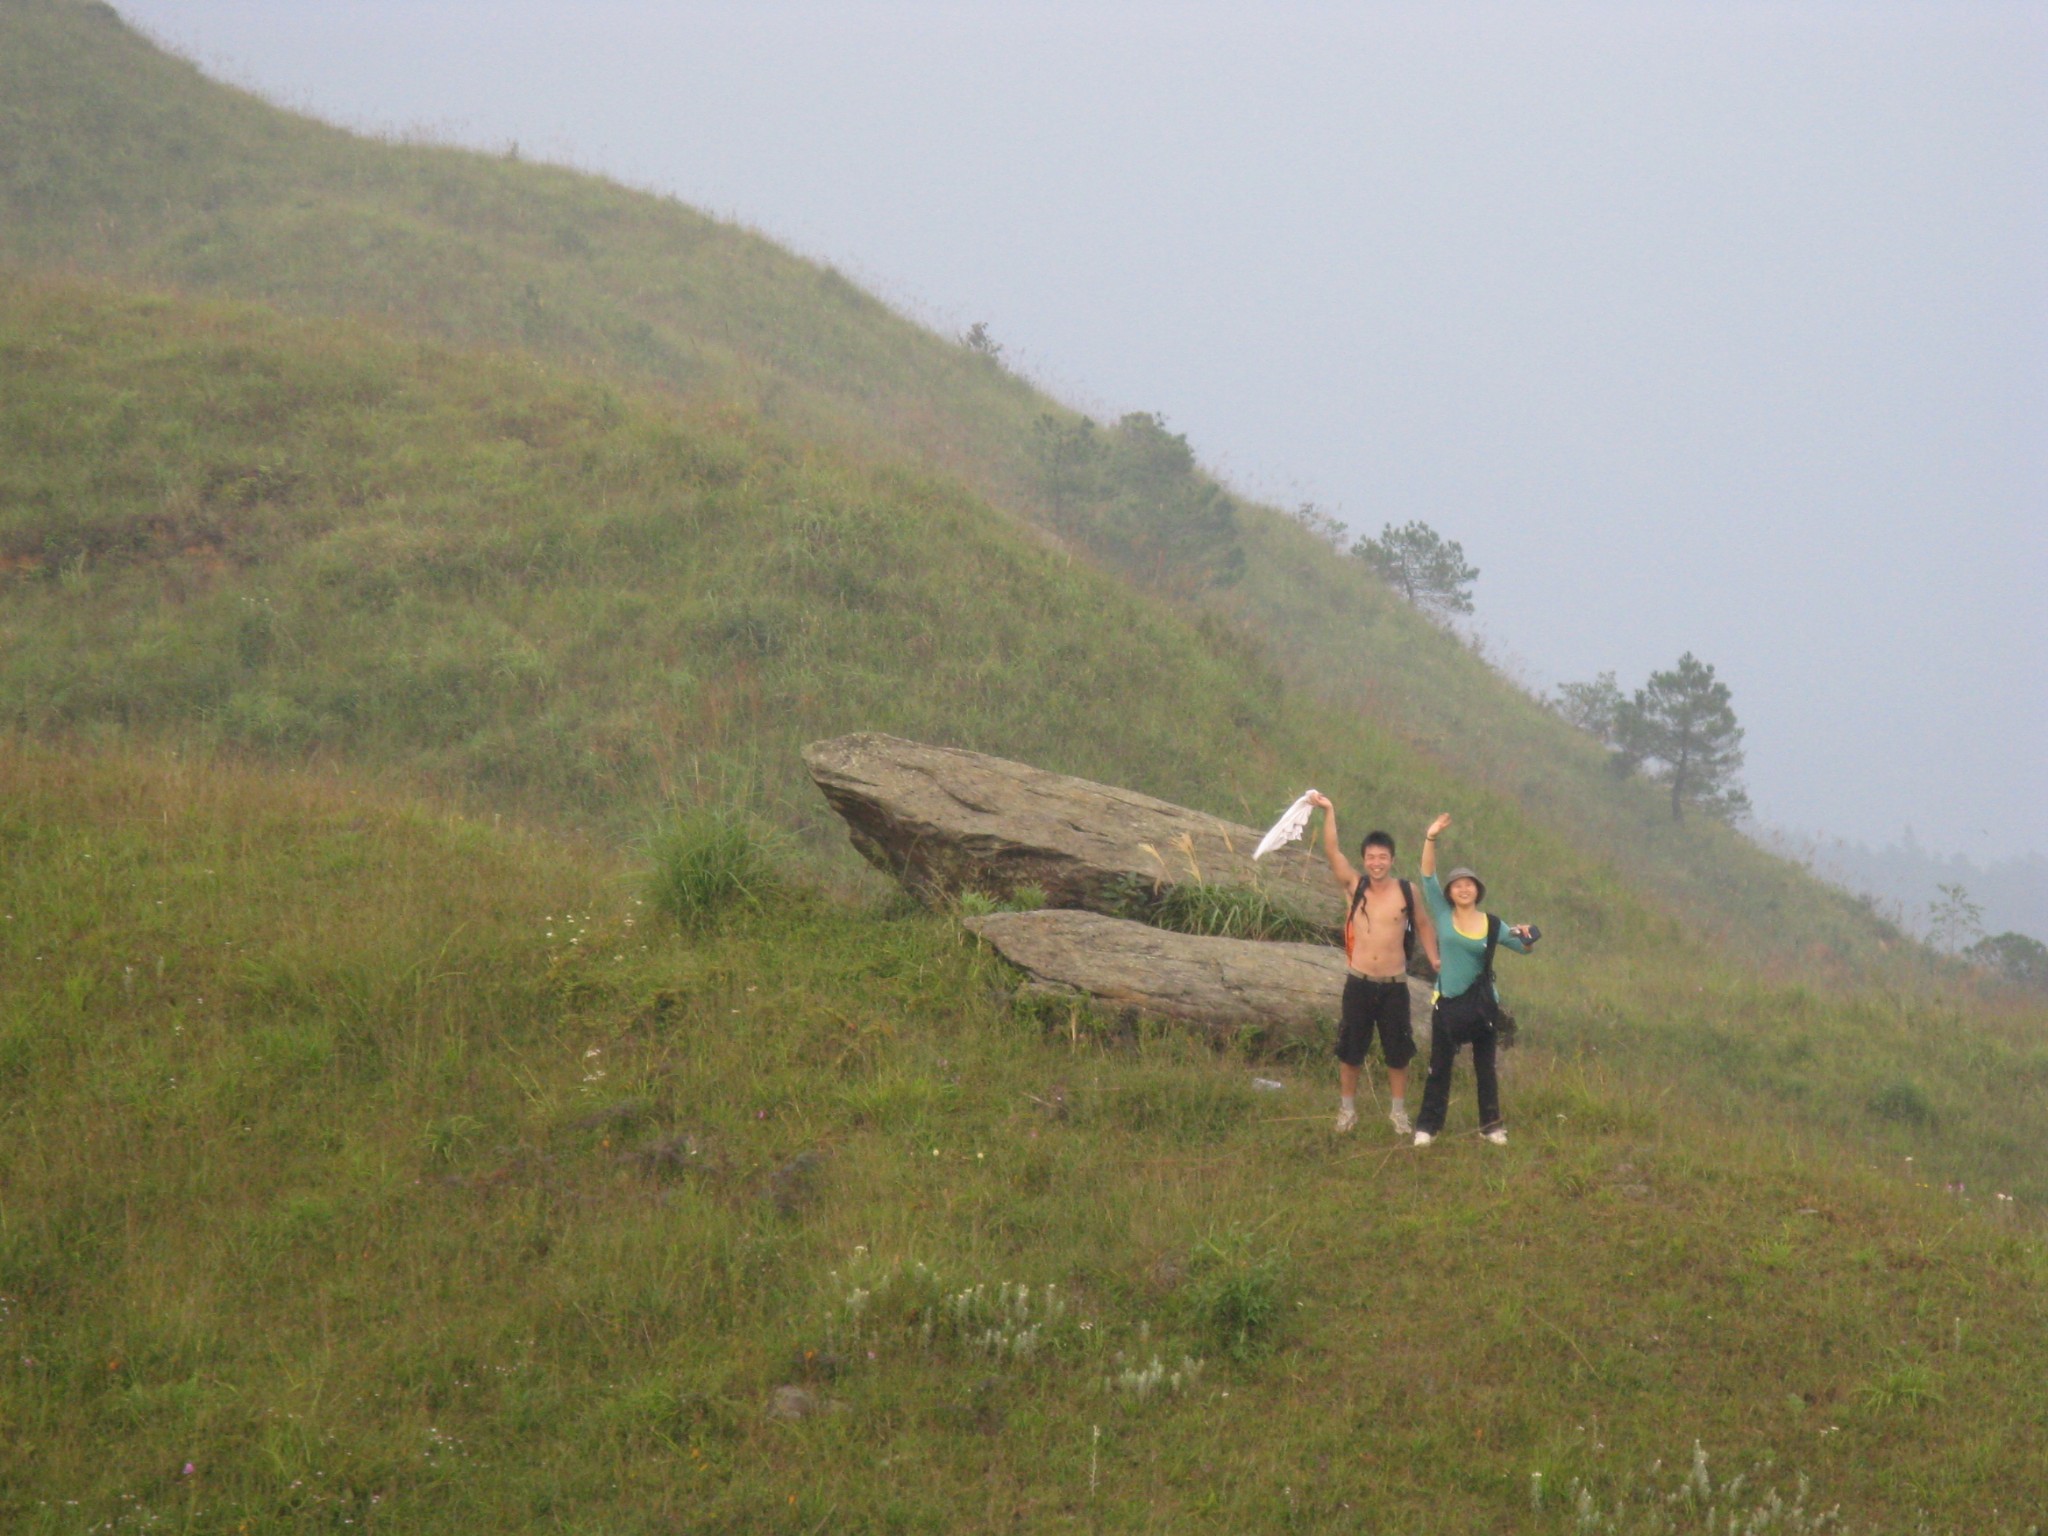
x,y
1463,956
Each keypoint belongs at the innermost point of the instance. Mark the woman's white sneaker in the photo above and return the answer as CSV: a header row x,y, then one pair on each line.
x,y
1498,1135
1423,1138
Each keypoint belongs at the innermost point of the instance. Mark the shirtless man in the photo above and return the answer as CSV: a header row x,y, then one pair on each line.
x,y
1376,948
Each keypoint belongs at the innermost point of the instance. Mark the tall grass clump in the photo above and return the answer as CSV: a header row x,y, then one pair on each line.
x,y
1025,898
1904,1103
710,861
1237,1291
1232,912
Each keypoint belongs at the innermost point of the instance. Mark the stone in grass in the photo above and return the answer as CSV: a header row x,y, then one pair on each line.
x,y
1628,1182
787,1404
791,1403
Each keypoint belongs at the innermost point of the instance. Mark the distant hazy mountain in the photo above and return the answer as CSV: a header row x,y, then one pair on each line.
x,y
1904,877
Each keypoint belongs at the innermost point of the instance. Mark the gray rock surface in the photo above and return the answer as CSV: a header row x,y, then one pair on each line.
x,y
942,820
790,1403
1217,984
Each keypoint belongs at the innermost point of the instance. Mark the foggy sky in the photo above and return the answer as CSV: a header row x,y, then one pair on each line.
x,y
1711,328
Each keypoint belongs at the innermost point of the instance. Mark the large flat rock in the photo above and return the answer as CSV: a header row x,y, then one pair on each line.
x,y
943,820
1218,984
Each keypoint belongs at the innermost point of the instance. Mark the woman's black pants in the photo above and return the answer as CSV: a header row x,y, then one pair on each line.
x,y
1456,1022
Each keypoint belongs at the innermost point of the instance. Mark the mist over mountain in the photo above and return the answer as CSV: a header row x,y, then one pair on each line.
x,y
1904,877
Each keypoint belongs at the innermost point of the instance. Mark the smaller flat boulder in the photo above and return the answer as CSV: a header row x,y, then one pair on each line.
x,y
1215,984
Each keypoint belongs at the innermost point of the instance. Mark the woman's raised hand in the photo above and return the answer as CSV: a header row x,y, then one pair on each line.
x,y
1439,824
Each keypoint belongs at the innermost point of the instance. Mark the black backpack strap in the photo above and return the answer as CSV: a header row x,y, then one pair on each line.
x,y
1408,933
1492,944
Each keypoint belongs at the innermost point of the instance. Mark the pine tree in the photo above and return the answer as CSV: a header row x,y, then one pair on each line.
x,y
1423,566
1592,707
1068,454
1682,722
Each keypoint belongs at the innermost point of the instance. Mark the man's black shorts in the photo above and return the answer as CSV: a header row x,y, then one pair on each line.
x,y
1375,1005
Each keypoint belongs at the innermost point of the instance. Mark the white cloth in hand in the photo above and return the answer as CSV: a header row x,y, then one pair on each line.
x,y
1288,827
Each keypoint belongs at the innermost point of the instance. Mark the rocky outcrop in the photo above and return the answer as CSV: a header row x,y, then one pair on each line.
x,y
1217,984
943,820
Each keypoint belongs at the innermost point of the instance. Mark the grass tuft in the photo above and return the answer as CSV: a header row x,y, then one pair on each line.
x,y
1231,912
1904,1103
1237,1291
710,861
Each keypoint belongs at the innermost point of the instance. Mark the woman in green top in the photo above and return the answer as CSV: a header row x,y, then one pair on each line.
x,y
1466,1010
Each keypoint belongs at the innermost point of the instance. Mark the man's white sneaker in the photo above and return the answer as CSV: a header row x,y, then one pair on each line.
x,y
1498,1136
1423,1138
1347,1117
1399,1115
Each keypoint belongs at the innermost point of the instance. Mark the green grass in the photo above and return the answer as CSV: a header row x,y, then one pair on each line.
x,y
418,1164
388,1166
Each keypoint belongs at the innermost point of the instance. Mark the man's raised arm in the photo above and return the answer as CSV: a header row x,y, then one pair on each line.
x,y
1333,850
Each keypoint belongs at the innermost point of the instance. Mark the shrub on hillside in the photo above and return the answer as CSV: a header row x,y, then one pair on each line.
x,y
2013,958
1903,1103
709,861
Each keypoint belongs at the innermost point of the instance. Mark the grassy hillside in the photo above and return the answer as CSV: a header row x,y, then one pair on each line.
x,y
365,1166
117,159
550,598
319,540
